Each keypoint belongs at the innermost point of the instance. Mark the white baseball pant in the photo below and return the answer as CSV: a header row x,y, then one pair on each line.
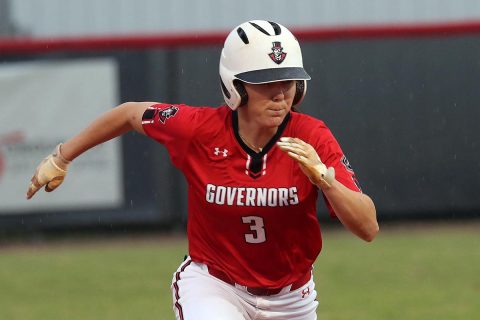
x,y
197,295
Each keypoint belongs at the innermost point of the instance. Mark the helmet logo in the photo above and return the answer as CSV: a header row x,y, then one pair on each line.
x,y
277,54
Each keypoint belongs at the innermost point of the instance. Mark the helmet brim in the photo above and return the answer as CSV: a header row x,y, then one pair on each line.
x,y
273,75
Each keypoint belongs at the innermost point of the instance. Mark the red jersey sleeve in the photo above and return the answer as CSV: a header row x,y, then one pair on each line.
x,y
332,156
173,126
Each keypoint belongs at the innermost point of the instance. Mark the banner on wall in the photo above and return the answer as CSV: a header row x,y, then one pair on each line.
x,y
43,104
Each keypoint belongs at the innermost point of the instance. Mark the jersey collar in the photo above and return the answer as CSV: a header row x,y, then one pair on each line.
x,y
270,143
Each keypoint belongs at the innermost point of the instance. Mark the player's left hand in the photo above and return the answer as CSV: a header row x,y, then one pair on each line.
x,y
308,160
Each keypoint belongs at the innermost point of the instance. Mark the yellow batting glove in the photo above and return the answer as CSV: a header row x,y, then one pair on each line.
x,y
308,160
49,173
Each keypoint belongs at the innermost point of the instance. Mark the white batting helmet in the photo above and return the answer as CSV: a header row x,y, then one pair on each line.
x,y
260,51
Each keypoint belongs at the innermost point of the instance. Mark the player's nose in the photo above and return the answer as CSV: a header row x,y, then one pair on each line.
x,y
278,90
278,96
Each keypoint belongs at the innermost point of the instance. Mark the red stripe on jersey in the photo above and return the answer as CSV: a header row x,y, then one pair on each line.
x,y
175,285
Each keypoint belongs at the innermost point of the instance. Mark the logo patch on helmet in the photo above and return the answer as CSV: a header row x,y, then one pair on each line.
x,y
167,113
277,54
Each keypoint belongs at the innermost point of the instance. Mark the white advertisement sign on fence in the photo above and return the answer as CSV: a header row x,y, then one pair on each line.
x,y
43,104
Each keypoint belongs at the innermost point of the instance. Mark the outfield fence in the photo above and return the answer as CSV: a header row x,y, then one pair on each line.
x,y
402,101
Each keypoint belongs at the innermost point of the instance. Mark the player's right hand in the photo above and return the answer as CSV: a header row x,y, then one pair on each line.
x,y
49,173
308,160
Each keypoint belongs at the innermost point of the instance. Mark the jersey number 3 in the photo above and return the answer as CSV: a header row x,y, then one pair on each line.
x,y
257,226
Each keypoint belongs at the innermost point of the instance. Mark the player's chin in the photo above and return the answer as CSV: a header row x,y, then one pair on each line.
x,y
274,120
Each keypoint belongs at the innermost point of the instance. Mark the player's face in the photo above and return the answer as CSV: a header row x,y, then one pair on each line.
x,y
269,103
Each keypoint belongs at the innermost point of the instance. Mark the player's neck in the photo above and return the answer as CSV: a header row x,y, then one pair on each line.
x,y
253,134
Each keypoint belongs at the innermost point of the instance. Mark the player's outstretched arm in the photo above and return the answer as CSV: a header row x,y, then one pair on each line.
x,y
355,210
115,122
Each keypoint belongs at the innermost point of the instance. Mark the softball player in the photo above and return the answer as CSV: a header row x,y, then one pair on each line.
x,y
254,169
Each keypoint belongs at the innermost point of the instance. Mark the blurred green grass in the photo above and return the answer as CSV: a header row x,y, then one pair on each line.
x,y
406,273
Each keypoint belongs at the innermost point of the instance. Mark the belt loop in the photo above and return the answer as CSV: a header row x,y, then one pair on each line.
x,y
238,286
286,289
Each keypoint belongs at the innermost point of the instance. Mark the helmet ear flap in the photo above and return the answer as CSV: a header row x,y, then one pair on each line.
x,y
241,91
301,89
224,89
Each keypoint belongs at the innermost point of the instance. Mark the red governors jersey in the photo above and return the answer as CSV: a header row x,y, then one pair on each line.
x,y
251,215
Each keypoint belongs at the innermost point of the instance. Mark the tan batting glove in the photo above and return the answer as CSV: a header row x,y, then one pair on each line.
x,y
49,173
308,160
